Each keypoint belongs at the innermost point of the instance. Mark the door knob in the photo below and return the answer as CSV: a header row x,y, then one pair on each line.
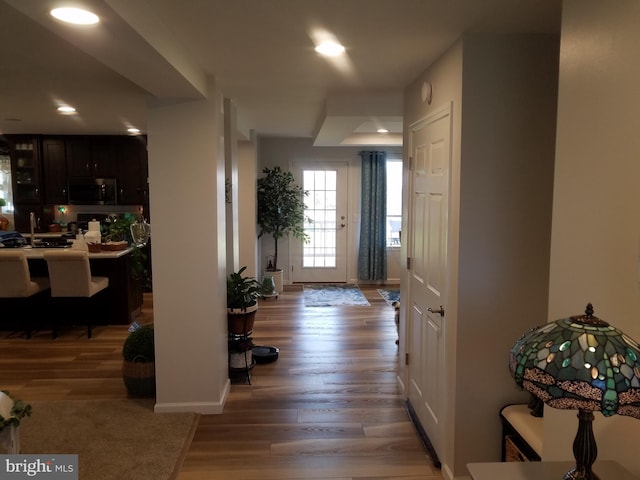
x,y
440,311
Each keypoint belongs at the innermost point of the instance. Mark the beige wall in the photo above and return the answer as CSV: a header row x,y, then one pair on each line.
x,y
503,90
445,76
248,229
596,231
284,152
186,179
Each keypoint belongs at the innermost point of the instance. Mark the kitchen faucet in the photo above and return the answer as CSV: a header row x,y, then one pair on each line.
x,y
32,226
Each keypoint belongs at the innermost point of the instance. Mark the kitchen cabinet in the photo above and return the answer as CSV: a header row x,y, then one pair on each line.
x,y
91,156
25,167
132,171
44,216
54,171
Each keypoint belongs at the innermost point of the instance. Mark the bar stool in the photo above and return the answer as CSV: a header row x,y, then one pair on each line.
x,y
70,277
24,293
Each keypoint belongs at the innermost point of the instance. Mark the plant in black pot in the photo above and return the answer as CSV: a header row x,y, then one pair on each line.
x,y
242,302
138,366
280,210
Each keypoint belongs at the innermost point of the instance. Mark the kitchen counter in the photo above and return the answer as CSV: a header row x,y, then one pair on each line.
x,y
124,293
33,253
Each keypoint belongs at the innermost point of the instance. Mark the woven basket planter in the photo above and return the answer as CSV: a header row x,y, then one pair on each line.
x,y
240,322
139,378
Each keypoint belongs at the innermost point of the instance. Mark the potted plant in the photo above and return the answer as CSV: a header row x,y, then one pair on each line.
x,y
240,353
138,366
280,212
11,412
242,302
4,223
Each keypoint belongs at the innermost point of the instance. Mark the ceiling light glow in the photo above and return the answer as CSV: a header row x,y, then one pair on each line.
x,y
77,16
66,110
330,49
382,130
133,131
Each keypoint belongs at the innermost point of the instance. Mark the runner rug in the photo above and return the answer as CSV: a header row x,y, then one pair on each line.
x,y
390,296
114,439
333,295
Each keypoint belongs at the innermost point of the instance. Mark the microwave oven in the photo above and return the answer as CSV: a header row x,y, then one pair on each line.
x,y
92,191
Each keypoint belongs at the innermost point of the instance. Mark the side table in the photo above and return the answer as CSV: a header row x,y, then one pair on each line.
x,y
606,470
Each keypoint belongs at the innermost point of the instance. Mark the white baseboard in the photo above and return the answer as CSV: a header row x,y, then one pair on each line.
x,y
203,408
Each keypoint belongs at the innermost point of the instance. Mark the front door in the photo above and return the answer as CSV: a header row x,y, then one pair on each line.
x,y
324,257
429,180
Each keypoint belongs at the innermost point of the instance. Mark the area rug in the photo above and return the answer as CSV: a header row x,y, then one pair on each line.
x,y
390,296
333,295
112,438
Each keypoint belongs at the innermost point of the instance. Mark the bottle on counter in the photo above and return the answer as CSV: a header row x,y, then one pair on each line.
x,y
79,243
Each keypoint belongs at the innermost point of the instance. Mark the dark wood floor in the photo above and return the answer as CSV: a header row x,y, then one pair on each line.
x,y
328,408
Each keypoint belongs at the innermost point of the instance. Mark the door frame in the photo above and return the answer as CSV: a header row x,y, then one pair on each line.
x,y
298,165
403,377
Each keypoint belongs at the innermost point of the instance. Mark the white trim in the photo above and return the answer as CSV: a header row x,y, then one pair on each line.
x,y
204,408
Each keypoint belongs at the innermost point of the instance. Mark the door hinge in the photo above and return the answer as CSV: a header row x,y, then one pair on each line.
x,y
406,359
410,163
408,263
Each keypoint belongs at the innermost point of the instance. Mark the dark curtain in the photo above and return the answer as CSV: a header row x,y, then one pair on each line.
x,y
372,254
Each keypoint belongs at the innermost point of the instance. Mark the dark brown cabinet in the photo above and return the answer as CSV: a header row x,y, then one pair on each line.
x,y
25,167
91,156
54,171
41,167
132,171
43,215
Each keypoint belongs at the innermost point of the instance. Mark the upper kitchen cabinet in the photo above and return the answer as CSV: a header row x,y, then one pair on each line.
x,y
91,156
25,167
54,170
132,171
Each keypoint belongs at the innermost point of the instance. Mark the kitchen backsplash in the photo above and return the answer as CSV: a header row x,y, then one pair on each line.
x,y
71,212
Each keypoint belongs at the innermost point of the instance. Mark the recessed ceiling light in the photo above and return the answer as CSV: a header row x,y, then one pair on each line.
x,y
67,110
330,49
77,16
382,130
133,131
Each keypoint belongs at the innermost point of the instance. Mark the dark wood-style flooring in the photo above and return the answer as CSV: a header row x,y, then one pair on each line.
x,y
328,408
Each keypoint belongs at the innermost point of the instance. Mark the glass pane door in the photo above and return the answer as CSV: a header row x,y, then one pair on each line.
x,y
320,251
323,257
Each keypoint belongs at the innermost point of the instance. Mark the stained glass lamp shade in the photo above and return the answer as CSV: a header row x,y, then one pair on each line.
x,y
580,363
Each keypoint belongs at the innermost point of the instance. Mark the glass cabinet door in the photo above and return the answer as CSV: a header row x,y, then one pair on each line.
x,y
25,166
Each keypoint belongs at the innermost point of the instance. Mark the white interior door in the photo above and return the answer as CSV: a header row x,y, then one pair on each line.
x,y
324,257
429,150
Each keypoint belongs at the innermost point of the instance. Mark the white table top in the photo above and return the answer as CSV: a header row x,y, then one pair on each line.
x,y
606,470
38,253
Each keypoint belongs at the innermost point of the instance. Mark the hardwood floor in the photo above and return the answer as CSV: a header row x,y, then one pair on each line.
x,y
328,408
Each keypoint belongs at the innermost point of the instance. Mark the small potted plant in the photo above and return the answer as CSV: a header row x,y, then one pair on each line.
x,y
4,223
242,302
11,412
138,366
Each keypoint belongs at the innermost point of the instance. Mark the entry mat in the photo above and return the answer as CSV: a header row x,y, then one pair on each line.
x,y
333,295
390,296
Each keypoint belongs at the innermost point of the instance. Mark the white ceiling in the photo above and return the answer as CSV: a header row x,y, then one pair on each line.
x,y
259,52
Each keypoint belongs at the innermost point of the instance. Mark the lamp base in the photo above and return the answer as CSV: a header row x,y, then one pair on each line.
x,y
585,449
575,474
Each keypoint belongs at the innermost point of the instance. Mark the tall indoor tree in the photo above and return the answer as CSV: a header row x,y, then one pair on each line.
x,y
280,207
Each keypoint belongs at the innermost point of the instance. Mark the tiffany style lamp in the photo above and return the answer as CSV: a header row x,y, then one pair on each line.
x,y
580,363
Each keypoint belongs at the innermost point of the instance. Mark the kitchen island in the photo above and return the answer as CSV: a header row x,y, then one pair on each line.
x,y
124,295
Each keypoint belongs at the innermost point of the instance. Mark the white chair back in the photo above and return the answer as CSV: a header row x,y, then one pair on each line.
x,y
15,279
70,274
